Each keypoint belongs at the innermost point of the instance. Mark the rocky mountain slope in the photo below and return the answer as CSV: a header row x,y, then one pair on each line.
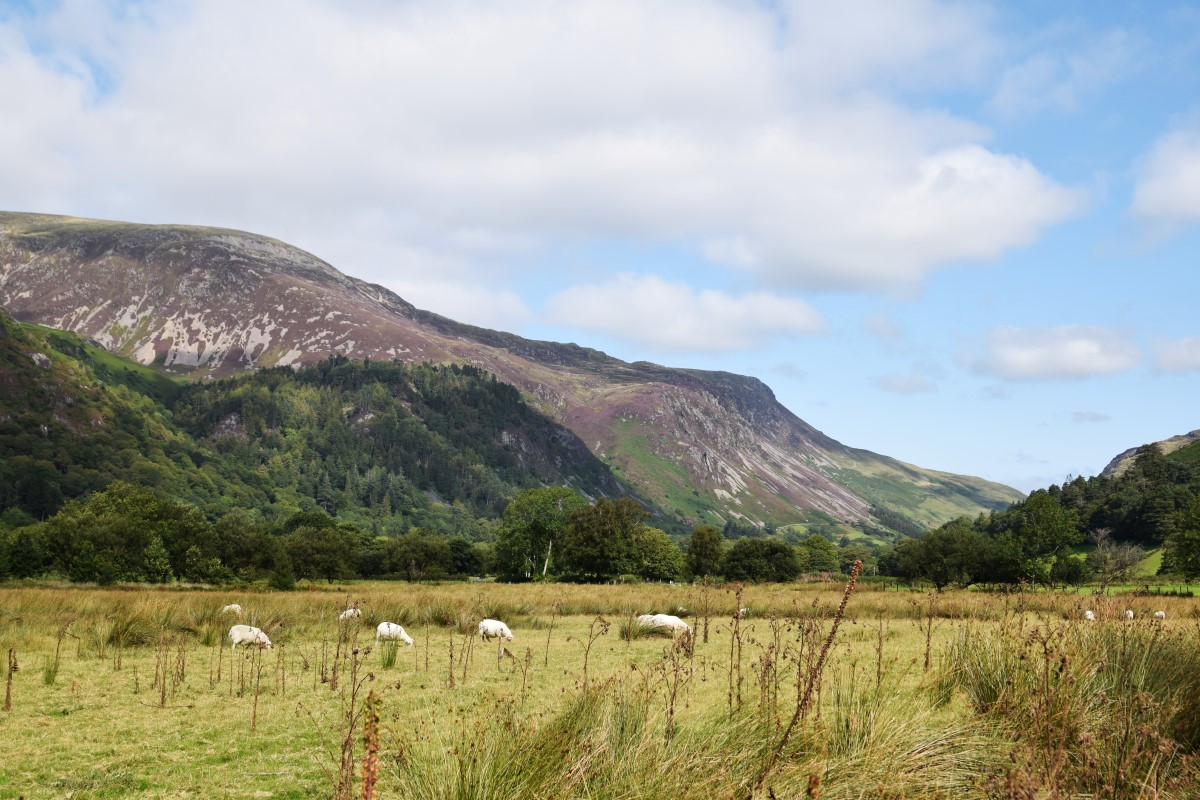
x,y
1182,446
704,446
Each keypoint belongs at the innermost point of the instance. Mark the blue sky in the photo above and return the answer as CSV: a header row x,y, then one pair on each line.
x,y
960,234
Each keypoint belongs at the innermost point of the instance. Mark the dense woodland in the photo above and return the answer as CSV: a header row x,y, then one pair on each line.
x,y
112,472
1154,503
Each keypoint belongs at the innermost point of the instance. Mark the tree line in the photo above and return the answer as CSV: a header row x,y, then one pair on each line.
x,y
128,533
132,533
1116,519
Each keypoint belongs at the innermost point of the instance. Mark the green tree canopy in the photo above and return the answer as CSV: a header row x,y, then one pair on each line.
x,y
954,554
654,556
818,554
533,522
760,560
1182,551
704,552
597,544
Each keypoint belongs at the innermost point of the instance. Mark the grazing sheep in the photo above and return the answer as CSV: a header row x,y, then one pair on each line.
x,y
393,632
1089,615
349,613
234,607
1129,613
743,613
248,634
663,621
1160,615
493,629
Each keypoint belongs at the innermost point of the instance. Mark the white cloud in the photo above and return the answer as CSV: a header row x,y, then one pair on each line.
x,y
1089,416
912,383
1051,78
1063,352
1167,192
671,315
1177,356
763,135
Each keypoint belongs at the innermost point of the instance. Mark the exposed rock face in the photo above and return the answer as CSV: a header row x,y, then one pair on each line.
x,y
1122,462
704,445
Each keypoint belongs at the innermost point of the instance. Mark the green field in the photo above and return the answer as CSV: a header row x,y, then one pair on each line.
x,y
147,700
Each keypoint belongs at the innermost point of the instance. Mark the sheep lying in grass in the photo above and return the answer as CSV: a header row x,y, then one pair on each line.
x,y
493,629
248,634
232,607
390,631
349,613
663,622
1160,615
1129,613
1089,615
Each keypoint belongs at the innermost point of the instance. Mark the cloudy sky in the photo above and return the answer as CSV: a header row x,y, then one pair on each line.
x,y
960,234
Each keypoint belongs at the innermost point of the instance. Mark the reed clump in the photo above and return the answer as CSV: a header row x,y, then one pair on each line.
x,y
1104,708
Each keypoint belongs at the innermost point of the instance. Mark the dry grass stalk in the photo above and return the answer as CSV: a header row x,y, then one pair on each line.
x,y
524,665
12,669
352,710
370,764
705,605
598,627
805,699
465,652
930,610
558,607
737,637
257,684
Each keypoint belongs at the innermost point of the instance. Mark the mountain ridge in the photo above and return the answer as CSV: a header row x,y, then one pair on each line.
x,y
1121,462
705,446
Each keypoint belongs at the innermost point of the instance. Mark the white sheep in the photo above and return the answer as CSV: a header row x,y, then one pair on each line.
x,y
743,613
1089,615
1129,613
493,629
248,634
663,621
392,632
232,607
349,613
1160,615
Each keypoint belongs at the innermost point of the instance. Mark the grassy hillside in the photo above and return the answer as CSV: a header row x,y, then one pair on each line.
x,y
1189,454
374,443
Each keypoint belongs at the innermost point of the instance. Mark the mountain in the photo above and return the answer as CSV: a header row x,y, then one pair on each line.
x,y
1185,447
702,446
389,445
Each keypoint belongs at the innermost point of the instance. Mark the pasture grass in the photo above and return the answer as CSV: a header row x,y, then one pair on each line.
x,y
147,700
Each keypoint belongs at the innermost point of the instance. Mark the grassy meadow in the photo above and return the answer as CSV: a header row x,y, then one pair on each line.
x,y
134,693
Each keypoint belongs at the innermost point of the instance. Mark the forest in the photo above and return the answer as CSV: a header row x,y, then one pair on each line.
x,y
1096,529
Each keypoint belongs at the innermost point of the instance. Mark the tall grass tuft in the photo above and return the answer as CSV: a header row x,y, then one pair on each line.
x,y
388,650
629,629
1108,709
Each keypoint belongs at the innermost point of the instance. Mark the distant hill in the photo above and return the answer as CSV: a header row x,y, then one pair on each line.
x,y
701,446
1183,448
